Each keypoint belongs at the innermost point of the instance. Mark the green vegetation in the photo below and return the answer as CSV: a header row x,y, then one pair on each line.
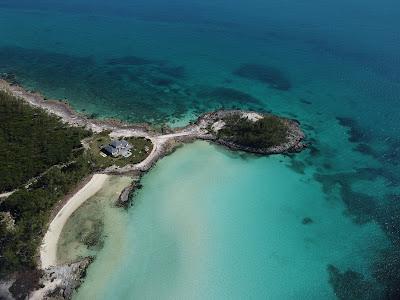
x,y
264,133
141,149
32,141
30,208
36,144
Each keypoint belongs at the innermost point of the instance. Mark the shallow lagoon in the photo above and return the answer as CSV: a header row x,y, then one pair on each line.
x,y
212,224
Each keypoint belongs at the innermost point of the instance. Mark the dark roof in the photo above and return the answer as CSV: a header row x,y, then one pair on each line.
x,y
115,143
119,144
109,150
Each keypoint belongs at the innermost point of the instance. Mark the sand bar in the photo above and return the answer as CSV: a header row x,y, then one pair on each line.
x,y
48,250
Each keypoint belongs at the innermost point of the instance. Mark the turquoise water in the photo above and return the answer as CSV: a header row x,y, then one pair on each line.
x,y
333,65
188,238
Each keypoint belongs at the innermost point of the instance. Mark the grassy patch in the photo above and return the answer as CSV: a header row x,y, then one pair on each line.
x,y
139,153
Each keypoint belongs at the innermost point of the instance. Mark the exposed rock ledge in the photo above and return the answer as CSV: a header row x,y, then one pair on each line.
x,y
56,283
59,282
127,193
123,198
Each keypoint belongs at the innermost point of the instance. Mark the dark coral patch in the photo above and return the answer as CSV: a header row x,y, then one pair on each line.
x,y
361,207
307,220
297,165
388,216
266,74
58,65
131,61
351,285
161,81
135,87
392,154
386,271
173,71
366,149
305,101
223,94
308,127
327,166
314,151
356,132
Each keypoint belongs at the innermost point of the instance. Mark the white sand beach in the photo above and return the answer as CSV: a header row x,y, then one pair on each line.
x,y
48,250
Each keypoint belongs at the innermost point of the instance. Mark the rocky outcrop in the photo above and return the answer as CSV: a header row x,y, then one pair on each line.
x,y
5,286
59,282
294,139
126,195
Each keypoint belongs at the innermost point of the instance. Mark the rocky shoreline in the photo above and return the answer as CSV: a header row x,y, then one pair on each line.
x,y
63,110
295,136
58,282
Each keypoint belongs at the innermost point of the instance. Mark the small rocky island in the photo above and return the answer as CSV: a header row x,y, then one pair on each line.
x,y
253,132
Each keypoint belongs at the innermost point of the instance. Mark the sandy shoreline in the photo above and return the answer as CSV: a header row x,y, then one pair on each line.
x,y
48,249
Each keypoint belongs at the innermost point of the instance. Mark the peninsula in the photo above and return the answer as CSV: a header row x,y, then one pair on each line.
x,y
238,130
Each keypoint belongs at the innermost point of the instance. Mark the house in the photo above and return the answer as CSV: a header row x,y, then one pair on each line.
x,y
120,144
110,150
118,148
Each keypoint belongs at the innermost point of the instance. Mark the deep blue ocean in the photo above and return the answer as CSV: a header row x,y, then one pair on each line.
x,y
333,65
